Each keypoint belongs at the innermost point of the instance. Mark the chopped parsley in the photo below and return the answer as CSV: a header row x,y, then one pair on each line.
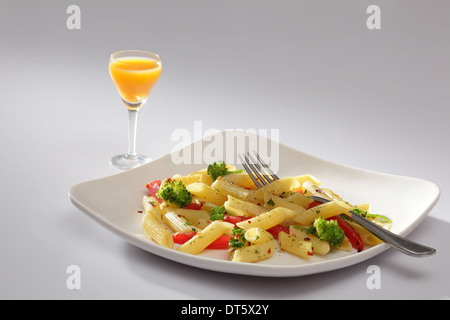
x,y
238,239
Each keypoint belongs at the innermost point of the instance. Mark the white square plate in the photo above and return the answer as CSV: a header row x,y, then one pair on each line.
x,y
114,202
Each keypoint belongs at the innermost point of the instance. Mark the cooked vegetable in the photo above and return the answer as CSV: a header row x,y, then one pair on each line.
x,y
220,169
329,230
174,192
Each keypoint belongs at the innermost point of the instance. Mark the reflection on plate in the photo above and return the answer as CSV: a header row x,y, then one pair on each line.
x,y
114,201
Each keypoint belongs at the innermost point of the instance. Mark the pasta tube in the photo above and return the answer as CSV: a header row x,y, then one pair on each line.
x,y
346,245
207,193
367,237
178,223
308,177
257,235
151,205
205,237
241,179
188,179
237,207
255,252
295,246
191,214
273,201
319,246
300,199
228,188
157,232
279,186
325,210
269,219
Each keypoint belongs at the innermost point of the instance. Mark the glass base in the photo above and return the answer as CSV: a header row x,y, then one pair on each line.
x,y
127,161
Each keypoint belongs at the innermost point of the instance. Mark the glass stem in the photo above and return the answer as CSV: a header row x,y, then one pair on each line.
x,y
132,126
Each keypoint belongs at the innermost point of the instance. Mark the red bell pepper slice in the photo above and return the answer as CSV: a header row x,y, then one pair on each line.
x,y
153,188
223,242
274,231
182,237
194,206
234,219
350,233
314,204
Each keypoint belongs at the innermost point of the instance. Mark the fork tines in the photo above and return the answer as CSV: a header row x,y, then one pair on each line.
x,y
258,170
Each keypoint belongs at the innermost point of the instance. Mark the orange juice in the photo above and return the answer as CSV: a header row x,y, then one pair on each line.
x,y
134,78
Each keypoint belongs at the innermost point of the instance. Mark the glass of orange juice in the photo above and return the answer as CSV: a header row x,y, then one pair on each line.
x,y
134,73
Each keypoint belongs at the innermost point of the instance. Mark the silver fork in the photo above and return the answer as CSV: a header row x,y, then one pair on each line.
x,y
262,175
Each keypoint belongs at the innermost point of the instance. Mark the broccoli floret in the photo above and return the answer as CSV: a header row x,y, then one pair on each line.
x,y
174,192
218,213
219,169
329,230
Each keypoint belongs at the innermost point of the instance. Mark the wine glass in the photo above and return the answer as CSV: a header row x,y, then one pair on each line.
x,y
134,73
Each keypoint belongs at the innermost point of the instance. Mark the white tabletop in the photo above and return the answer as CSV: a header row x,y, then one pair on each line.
x,y
374,99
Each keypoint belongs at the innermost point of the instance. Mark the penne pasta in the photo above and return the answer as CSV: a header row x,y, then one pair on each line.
x,y
201,223
151,205
207,193
205,237
156,231
367,237
311,189
237,207
255,197
308,177
188,179
257,235
241,179
228,188
345,246
190,214
255,252
325,210
178,223
268,219
295,246
300,199
273,201
319,246
279,187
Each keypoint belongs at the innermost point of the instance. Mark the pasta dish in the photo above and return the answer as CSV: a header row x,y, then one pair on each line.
x,y
220,208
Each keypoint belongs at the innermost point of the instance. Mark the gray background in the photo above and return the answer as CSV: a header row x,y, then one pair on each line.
x,y
374,99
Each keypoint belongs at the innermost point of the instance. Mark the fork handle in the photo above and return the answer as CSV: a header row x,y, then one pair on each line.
x,y
400,243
